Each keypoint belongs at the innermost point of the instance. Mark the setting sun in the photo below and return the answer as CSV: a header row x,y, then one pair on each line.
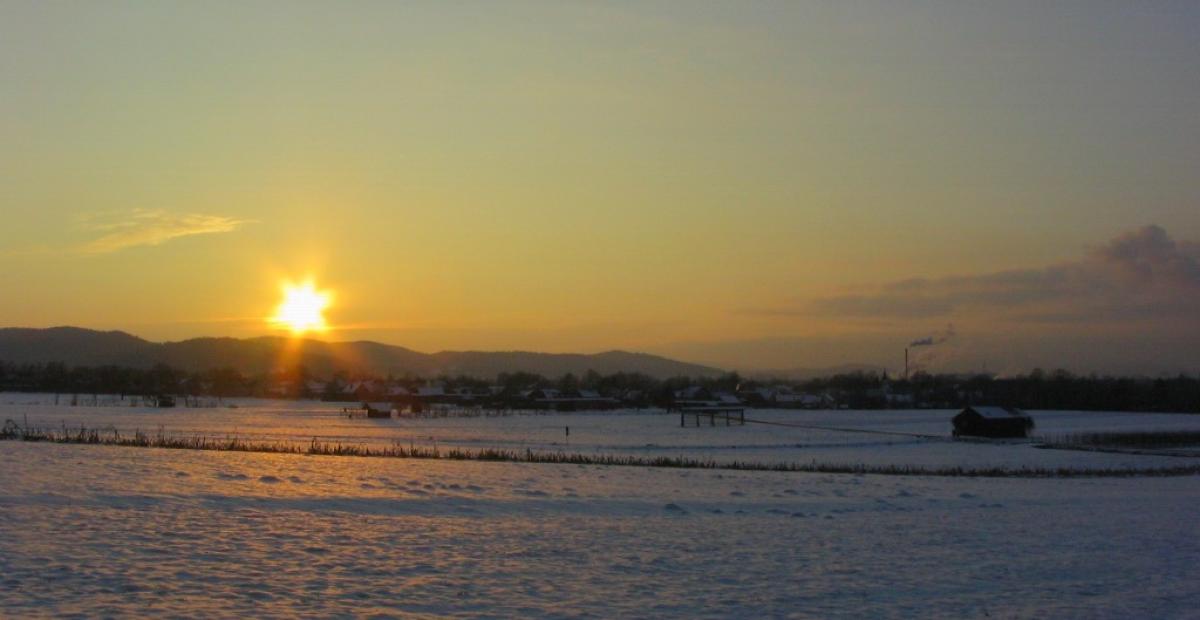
x,y
302,308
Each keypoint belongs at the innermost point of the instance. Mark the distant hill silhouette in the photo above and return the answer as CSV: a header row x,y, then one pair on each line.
x,y
84,347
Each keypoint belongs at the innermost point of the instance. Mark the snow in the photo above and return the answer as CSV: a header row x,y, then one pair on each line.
x,y
995,413
108,531
900,438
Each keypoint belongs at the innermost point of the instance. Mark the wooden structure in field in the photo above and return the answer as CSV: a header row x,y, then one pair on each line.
x,y
713,413
370,410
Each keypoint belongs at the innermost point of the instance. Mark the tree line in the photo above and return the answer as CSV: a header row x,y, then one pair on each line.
x,y
1038,389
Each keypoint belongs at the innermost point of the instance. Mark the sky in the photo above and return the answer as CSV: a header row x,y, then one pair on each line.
x,y
753,185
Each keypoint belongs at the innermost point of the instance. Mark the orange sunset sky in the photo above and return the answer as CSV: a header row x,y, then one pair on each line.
x,y
758,186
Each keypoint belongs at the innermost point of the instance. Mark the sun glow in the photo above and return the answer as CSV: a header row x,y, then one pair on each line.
x,y
302,308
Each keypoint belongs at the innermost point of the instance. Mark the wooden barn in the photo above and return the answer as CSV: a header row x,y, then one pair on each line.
x,y
992,422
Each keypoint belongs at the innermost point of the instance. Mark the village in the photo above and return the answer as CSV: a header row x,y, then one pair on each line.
x,y
381,394
596,392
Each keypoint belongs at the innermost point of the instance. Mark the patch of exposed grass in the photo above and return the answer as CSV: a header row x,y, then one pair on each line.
x,y
112,437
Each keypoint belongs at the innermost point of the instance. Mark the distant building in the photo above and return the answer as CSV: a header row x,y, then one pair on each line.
x,y
431,392
693,396
758,396
363,390
992,422
568,400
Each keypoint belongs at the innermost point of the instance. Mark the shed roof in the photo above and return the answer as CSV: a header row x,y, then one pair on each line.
x,y
996,413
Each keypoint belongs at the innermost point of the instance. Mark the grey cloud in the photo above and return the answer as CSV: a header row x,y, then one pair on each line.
x,y
1142,274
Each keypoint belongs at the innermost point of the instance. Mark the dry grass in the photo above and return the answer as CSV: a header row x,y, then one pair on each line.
x,y
1135,440
112,437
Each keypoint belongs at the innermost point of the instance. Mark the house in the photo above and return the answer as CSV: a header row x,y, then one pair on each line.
x,y
992,422
542,394
693,396
471,395
792,400
431,391
379,410
816,401
568,400
759,396
363,390
726,399
636,398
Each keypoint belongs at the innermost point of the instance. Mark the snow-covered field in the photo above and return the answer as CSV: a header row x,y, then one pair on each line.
x,y
899,438
105,531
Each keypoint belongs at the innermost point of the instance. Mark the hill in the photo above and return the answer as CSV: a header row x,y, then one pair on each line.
x,y
75,346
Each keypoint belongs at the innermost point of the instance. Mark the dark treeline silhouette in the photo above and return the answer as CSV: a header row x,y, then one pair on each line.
x,y
860,390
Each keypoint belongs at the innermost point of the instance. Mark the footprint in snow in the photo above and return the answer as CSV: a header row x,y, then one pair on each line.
x,y
181,474
268,479
225,476
737,493
675,508
967,495
295,480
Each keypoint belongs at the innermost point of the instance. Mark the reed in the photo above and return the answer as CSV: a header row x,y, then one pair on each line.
x,y
1147,440
112,437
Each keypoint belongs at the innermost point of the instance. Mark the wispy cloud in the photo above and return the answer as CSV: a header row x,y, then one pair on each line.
x,y
140,227
1141,274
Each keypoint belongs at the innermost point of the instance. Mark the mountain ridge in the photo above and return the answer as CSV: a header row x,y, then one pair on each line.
x,y
77,346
